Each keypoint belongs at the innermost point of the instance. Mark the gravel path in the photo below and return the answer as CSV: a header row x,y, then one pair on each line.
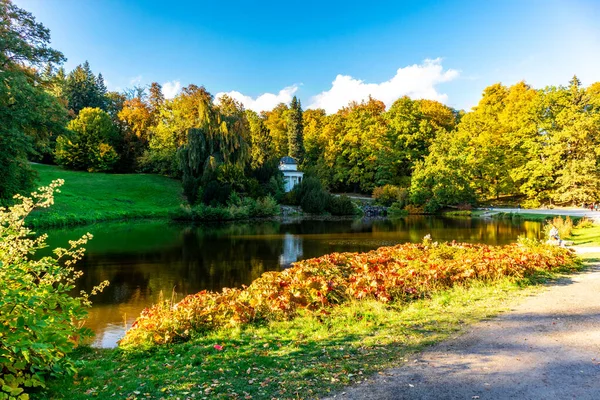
x,y
548,347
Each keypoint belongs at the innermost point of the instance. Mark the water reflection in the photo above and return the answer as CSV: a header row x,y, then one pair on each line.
x,y
143,260
292,250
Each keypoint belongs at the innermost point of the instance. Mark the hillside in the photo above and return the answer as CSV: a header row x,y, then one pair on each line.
x,y
91,197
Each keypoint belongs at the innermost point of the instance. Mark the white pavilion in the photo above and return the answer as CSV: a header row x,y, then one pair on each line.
x,y
291,175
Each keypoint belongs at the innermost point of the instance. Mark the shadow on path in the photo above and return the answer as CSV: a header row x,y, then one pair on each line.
x,y
548,347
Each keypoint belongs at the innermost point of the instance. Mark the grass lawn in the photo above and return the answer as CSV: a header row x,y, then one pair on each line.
x,y
460,213
91,197
304,358
525,216
589,236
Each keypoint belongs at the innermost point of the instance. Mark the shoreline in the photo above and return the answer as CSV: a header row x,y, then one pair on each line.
x,y
305,357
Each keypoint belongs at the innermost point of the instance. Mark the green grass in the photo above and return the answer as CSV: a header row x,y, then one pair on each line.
x,y
589,236
458,213
92,197
304,358
526,216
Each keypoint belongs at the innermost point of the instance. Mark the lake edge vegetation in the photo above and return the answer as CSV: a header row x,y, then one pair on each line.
x,y
400,273
313,354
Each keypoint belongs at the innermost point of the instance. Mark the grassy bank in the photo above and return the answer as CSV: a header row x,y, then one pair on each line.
x,y
303,358
92,197
463,213
318,351
525,216
586,236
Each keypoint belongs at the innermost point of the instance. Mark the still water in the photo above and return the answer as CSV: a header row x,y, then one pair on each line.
x,y
143,259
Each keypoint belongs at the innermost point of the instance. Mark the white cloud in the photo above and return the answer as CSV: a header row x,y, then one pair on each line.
x,y
416,81
264,102
171,88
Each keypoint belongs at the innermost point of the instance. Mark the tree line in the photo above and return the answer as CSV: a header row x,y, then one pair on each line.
x,y
536,146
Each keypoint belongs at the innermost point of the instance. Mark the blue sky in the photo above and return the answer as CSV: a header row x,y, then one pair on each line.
x,y
328,52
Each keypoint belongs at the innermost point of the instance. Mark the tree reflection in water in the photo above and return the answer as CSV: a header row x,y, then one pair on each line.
x,y
143,259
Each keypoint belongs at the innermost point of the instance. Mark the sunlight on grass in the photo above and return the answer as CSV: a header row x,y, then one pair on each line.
x,y
588,236
92,197
304,358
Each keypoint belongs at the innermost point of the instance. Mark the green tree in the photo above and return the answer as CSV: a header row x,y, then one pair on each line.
x,y
179,115
174,118
262,149
295,131
444,176
487,147
331,134
313,138
101,85
29,116
217,146
54,81
357,153
276,122
23,41
91,144
115,102
413,126
501,129
573,130
83,89
560,157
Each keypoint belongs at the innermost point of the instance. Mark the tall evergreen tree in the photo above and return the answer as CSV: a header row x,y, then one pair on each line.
x,y
47,72
156,98
58,88
101,85
83,89
295,131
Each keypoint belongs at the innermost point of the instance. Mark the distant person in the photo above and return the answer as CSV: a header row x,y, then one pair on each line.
x,y
555,235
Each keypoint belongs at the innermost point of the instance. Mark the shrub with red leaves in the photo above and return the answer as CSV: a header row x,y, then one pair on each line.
x,y
399,273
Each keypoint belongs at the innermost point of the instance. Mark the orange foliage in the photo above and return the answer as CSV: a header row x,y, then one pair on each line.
x,y
399,273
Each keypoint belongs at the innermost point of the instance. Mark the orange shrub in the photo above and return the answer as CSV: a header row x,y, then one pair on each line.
x,y
399,273
389,194
412,209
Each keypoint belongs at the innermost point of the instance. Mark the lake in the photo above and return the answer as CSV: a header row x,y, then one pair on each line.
x,y
144,259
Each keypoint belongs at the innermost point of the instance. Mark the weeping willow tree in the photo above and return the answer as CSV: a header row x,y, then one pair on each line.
x,y
216,148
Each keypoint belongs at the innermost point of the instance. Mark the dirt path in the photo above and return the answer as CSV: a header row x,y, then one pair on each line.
x,y
548,347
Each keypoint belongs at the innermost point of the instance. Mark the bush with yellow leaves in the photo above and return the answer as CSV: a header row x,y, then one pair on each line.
x,y
40,321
